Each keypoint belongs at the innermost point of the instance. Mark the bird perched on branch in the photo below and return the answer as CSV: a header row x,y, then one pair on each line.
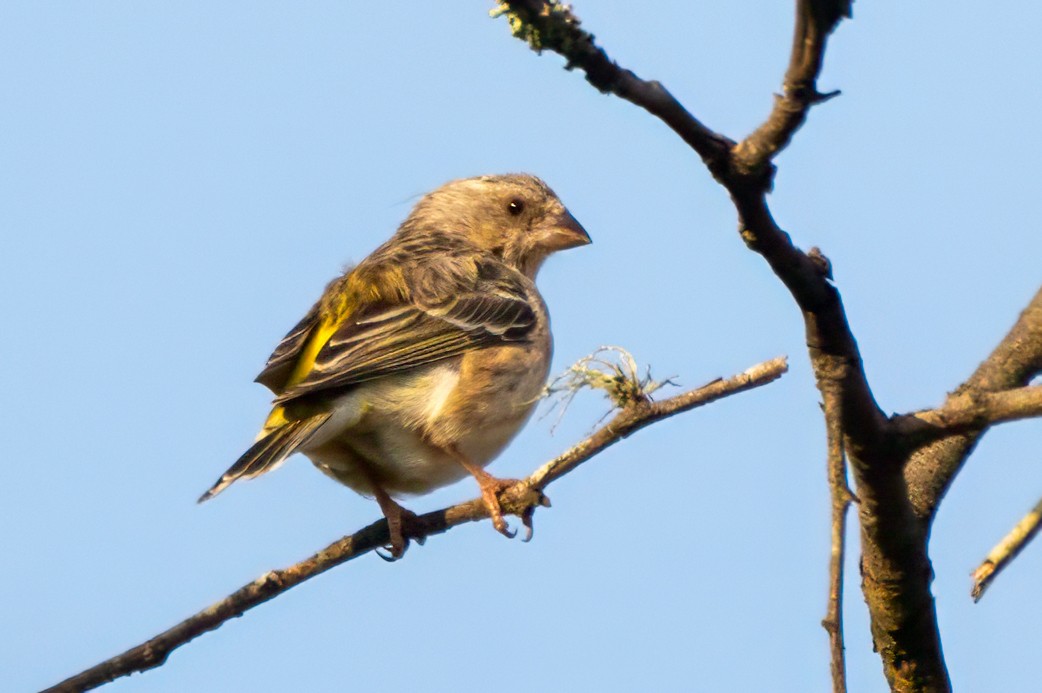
x,y
418,366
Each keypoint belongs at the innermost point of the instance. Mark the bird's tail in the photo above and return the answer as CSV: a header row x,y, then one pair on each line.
x,y
268,452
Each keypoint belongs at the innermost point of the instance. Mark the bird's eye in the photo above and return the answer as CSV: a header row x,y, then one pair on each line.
x,y
516,206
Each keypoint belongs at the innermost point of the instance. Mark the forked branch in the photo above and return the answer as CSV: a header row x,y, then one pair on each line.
x,y
1013,363
815,20
894,561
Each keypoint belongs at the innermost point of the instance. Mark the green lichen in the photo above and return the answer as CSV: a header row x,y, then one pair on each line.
x,y
611,369
551,27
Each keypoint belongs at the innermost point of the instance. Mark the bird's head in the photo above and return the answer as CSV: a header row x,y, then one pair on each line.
x,y
516,217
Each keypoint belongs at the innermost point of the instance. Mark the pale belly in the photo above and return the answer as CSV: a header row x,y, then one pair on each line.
x,y
380,433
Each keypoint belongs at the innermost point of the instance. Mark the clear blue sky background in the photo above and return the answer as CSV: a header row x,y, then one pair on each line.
x,y
179,180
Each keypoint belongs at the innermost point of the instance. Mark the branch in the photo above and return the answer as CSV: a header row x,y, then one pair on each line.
x,y
1013,363
1006,550
897,512
815,20
517,500
841,498
550,25
970,411
895,566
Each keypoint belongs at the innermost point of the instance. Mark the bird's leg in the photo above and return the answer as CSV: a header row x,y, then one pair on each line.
x,y
397,517
490,488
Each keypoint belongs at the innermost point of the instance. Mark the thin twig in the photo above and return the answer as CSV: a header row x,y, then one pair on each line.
x,y
1006,550
841,498
517,500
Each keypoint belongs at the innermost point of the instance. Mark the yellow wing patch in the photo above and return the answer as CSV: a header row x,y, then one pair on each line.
x,y
277,418
308,355
336,305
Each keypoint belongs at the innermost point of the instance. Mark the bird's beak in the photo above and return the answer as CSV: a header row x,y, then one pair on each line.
x,y
563,232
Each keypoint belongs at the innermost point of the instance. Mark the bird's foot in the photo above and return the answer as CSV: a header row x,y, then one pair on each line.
x,y
401,526
522,503
530,498
491,487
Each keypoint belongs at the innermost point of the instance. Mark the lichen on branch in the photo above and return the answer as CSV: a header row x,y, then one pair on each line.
x,y
542,24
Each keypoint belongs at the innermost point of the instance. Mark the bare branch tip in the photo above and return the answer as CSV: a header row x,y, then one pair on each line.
x,y
827,96
982,578
1006,550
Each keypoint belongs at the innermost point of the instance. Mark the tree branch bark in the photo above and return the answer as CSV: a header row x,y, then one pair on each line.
x,y
969,411
552,26
815,20
1014,362
1006,550
518,500
841,499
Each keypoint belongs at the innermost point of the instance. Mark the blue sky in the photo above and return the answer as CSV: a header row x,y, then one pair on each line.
x,y
180,180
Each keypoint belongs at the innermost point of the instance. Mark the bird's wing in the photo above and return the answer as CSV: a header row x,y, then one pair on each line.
x,y
451,305
283,360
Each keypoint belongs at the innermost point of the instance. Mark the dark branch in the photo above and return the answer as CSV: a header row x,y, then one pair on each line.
x,y
552,26
815,20
896,569
517,500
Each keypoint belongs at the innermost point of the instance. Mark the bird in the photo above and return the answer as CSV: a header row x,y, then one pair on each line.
x,y
417,366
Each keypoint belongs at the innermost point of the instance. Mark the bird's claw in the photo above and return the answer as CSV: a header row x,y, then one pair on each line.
x,y
395,548
390,556
396,552
526,520
403,527
503,528
531,498
537,499
542,501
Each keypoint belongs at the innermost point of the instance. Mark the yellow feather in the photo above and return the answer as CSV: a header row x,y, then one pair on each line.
x,y
342,297
318,339
276,419
336,311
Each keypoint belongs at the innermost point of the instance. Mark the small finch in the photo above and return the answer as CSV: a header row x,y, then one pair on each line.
x,y
419,365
